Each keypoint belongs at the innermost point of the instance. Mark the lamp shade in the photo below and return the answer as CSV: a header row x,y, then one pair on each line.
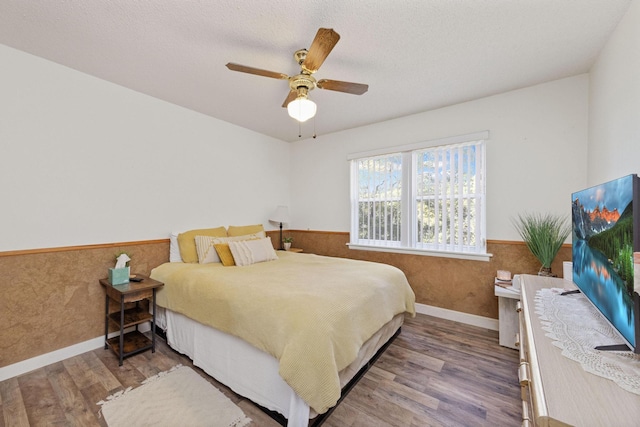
x,y
280,215
302,108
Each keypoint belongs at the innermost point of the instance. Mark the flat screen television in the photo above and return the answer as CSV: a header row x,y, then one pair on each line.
x,y
606,233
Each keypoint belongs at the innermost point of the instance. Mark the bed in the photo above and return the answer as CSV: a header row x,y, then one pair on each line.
x,y
288,333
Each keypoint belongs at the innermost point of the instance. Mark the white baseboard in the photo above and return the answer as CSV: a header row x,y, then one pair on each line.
x,y
49,358
43,360
64,353
458,316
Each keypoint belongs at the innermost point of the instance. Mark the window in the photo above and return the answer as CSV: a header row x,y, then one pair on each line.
x,y
421,197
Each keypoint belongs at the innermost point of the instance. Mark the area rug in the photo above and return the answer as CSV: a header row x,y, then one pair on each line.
x,y
176,397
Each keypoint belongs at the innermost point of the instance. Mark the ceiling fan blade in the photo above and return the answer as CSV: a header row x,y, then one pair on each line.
x,y
257,71
292,95
320,48
347,87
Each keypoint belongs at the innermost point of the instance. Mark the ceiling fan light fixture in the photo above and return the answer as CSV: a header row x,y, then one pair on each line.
x,y
302,108
298,105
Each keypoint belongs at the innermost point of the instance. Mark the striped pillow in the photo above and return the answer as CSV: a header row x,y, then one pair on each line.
x,y
206,250
247,252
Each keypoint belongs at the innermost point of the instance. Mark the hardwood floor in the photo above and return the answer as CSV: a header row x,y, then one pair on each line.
x,y
436,373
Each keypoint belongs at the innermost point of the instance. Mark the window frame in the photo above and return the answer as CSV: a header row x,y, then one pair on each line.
x,y
408,244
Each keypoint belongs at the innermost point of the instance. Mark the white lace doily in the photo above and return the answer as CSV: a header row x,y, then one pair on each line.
x,y
576,327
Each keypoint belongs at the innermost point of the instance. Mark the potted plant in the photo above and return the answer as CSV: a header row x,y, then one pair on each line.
x,y
544,235
287,242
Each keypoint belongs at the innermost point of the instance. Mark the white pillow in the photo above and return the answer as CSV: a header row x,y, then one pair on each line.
x,y
174,249
206,251
247,252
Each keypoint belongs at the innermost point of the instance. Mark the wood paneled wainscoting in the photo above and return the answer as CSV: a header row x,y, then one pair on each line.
x,y
52,300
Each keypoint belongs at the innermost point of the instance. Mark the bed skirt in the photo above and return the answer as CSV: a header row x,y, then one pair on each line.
x,y
253,373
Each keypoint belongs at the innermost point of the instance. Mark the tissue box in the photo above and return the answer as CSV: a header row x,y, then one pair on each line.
x,y
119,276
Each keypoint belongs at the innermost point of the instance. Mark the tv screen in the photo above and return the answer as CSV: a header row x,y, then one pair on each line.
x,y
605,235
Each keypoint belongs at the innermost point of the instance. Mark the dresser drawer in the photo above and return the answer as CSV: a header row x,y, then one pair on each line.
x,y
524,371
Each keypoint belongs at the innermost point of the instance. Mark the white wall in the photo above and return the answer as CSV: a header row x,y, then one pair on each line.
x,y
614,110
536,155
67,140
84,161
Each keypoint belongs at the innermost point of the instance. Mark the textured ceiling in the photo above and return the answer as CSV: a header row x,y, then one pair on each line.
x,y
416,55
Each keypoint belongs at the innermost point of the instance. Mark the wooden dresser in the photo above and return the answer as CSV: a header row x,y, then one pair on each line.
x,y
556,391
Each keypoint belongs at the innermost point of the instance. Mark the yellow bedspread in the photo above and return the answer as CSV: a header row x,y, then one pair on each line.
x,y
310,312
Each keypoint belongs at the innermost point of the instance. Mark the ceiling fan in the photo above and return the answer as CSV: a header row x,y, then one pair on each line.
x,y
297,102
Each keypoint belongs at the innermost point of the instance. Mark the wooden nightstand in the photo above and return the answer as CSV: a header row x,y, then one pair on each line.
x,y
296,250
133,342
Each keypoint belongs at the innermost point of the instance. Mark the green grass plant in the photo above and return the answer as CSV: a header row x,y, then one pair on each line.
x,y
544,234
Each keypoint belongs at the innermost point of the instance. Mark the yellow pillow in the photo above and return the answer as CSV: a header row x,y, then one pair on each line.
x,y
224,252
235,230
187,241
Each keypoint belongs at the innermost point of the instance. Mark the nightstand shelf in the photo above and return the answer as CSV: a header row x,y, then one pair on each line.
x,y
132,317
134,342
